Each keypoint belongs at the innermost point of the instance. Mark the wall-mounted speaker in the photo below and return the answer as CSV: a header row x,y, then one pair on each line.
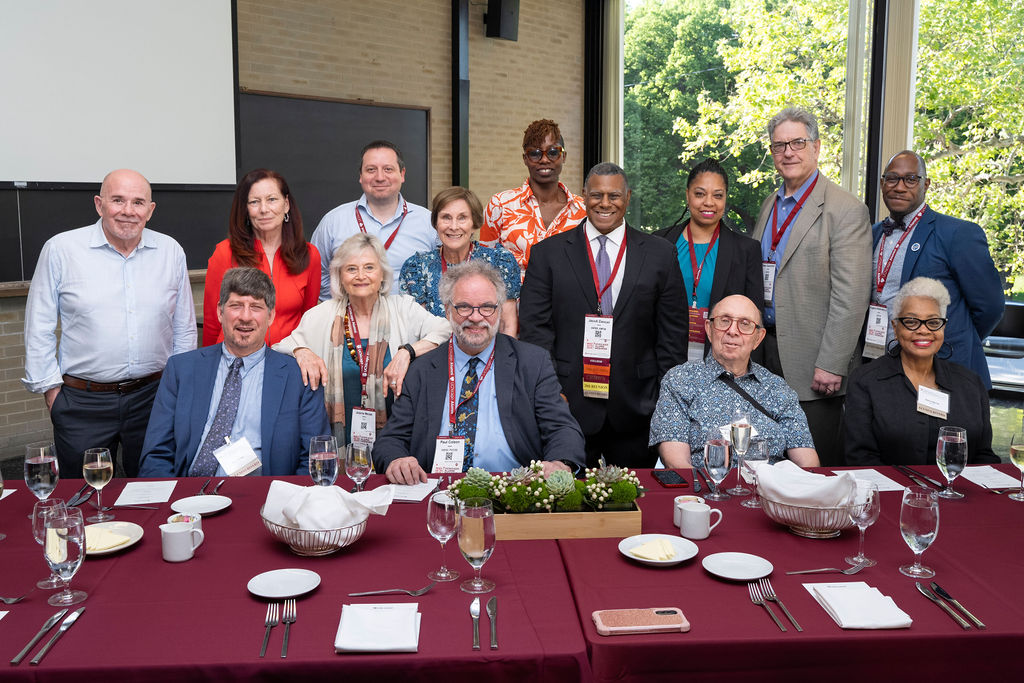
x,y
502,19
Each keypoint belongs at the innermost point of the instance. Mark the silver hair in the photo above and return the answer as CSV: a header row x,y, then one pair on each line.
x,y
446,289
926,287
348,249
247,282
797,115
607,168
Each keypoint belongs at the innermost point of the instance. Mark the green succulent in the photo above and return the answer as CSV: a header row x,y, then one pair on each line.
x,y
477,477
561,483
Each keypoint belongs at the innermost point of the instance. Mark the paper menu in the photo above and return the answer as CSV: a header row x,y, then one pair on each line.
x,y
6,493
989,477
143,492
413,493
875,477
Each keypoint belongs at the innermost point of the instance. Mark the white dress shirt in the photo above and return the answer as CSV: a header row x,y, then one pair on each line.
x,y
611,247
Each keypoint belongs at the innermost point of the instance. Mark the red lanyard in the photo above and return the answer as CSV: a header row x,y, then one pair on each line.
x,y
452,405
357,344
387,245
611,278
883,274
694,268
444,264
777,233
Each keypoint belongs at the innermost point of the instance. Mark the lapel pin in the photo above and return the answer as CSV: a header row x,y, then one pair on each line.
x,y
916,246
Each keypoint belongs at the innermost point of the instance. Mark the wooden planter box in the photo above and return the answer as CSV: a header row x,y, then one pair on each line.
x,y
538,525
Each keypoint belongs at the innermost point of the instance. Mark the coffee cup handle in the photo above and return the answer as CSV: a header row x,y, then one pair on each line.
x,y
202,537
717,522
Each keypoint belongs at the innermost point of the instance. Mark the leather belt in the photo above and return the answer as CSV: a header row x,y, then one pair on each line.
x,y
126,387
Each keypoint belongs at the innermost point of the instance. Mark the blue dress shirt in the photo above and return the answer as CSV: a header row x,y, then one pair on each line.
x,y
248,419
785,206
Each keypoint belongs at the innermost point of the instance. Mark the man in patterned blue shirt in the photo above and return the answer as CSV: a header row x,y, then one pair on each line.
x,y
697,398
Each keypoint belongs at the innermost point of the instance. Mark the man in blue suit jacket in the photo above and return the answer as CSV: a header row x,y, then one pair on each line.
x,y
953,251
192,412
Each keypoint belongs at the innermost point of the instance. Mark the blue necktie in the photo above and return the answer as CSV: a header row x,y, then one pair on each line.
x,y
604,271
465,415
205,464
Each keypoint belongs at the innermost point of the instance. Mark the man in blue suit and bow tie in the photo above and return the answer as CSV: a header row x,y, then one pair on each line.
x,y
236,389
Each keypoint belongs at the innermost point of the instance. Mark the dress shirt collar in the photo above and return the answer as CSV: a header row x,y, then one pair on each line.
x,y
716,369
910,214
615,236
462,358
366,208
248,362
98,238
800,190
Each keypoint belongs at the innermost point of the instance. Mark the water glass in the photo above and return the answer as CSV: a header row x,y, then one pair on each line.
x,y
41,470
476,540
2,536
739,437
756,452
323,460
717,464
442,522
358,463
1017,458
40,511
951,456
64,550
98,470
919,524
864,512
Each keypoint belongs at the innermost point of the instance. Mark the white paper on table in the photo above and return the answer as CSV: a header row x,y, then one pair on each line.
x,y
381,627
875,477
413,493
989,477
3,614
6,493
856,605
142,492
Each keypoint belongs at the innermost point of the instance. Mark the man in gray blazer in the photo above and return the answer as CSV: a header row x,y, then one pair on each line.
x,y
498,397
816,252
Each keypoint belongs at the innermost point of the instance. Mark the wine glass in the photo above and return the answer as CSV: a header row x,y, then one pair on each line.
x,y
919,524
358,463
756,452
951,456
739,437
98,470
64,549
864,512
716,463
1017,458
476,540
2,536
442,521
41,470
42,509
323,460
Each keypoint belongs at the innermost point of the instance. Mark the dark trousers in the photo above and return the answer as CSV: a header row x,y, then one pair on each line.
x,y
100,419
823,417
625,449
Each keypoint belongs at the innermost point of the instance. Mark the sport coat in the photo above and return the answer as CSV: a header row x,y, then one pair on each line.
x,y
534,418
821,285
648,330
955,252
291,414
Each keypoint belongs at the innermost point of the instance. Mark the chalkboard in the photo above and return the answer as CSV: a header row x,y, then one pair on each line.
x,y
313,143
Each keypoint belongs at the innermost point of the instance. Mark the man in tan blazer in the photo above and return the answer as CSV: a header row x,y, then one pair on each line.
x,y
816,252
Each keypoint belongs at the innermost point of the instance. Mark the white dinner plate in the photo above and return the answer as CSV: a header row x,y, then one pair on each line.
x,y
685,549
738,566
131,530
283,583
201,505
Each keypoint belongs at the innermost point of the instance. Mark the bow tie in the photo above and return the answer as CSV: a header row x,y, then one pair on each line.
x,y
888,225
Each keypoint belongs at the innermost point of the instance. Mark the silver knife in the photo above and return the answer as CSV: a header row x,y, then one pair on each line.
x,y
64,626
42,632
492,615
956,603
73,500
911,476
86,496
936,484
474,611
696,481
931,596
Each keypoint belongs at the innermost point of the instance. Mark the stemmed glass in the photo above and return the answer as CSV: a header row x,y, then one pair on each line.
x,y
2,536
739,437
919,524
98,470
64,549
442,521
756,452
41,470
1017,458
951,456
323,460
358,463
40,511
716,463
476,540
864,512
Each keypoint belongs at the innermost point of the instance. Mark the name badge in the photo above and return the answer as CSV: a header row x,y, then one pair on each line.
x,y
768,280
877,329
364,426
697,336
597,354
237,458
449,454
933,402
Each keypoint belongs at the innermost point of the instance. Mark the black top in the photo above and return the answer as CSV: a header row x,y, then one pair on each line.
x,y
883,427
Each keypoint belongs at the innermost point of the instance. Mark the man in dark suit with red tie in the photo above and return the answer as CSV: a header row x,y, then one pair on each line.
x,y
605,277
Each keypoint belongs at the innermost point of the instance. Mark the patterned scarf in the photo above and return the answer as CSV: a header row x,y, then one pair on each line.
x,y
377,346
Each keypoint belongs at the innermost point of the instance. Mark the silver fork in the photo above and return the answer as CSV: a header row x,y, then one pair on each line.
x,y
769,594
755,597
415,593
848,571
202,489
217,487
288,615
14,601
270,622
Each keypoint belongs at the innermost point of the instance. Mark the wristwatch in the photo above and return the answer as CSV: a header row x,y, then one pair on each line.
x,y
412,351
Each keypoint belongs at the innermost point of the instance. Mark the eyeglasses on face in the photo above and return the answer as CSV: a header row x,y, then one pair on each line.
x,y
554,153
722,323
933,324
893,179
465,310
796,145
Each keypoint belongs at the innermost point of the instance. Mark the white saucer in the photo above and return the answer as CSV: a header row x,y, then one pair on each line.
x,y
283,583
129,529
685,549
737,566
201,505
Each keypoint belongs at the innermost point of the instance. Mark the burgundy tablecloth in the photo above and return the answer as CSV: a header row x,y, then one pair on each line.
x,y
978,558
147,619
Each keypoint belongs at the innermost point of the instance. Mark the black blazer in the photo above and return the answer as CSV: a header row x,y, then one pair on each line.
x,y
648,332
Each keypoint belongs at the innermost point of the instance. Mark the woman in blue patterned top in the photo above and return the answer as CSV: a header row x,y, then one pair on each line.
x,y
456,214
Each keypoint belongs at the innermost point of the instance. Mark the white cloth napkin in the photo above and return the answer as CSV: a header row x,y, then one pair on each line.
x,y
384,627
856,605
322,507
786,482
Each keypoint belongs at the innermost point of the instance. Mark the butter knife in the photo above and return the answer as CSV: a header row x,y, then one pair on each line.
x,y
956,603
492,615
931,596
474,611
42,632
64,626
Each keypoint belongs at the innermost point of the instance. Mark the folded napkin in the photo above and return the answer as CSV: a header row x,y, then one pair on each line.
x,y
97,539
322,507
786,482
388,627
857,605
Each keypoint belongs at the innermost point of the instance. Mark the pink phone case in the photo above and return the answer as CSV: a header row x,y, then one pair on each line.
x,y
615,622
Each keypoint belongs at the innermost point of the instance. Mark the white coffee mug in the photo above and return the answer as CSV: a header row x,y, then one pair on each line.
x,y
695,522
179,541
677,510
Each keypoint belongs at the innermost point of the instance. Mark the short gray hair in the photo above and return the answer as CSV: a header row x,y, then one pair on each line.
x,y
247,282
607,168
797,115
348,249
926,287
452,276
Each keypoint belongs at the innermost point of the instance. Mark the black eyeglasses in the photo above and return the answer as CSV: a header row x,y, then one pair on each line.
x,y
554,153
933,324
910,180
797,145
722,323
465,310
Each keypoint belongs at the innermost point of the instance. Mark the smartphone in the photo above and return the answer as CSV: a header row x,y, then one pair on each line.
x,y
670,479
617,622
